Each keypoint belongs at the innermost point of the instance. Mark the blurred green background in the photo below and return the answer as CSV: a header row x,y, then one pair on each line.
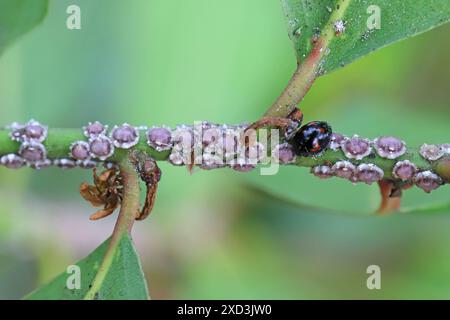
x,y
169,62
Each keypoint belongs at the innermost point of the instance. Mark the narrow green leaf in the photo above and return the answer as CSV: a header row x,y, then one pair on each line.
x,y
19,16
124,278
430,209
261,195
399,19
270,198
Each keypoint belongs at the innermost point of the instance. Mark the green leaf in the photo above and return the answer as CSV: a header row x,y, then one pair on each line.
x,y
400,19
271,199
19,16
121,279
279,203
431,209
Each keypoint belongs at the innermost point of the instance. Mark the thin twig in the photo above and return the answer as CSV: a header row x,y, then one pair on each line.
x,y
307,70
127,215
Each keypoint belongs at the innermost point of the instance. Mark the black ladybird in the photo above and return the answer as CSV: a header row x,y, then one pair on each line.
x,y
312,138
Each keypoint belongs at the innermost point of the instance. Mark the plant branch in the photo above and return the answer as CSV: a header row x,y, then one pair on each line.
x,y
307,70
412,154
59,141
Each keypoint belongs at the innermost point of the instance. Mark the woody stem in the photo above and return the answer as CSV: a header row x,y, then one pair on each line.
x,y
131,197
307,70
125,221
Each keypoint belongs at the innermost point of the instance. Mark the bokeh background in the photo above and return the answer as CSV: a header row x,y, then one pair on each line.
x,y
210,234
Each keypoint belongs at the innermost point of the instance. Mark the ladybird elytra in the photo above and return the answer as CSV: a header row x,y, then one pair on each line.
x,y
312,138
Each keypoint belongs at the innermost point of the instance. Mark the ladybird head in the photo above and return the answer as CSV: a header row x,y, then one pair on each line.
x,y
312,138
296,115
296,118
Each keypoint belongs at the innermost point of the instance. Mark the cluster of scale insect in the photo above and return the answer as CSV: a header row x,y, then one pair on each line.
x,y
213,146
83,154
32,151
359,149
206,145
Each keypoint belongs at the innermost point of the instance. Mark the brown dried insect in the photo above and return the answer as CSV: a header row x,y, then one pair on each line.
x,y
150,174
107,191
